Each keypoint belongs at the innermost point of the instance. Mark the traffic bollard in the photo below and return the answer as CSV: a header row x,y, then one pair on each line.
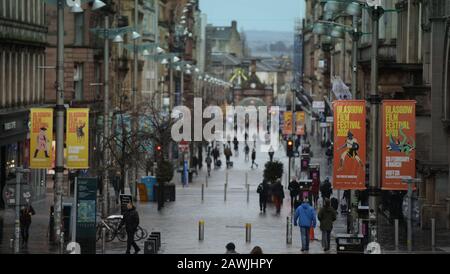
x,y
288,230
433,233
246,178
248,193
396,234
225,192
61,243
201,230
11,243
103,239
203,191
248,233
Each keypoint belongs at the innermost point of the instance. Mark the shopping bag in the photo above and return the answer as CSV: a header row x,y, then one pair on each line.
x,y
311,233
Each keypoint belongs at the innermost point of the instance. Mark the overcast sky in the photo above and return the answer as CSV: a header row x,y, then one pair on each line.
x,y
275,15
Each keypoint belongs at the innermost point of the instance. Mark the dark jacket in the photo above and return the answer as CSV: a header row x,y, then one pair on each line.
x,y
326,216
130,219
253,155
25,215
294,187
263,190
278,190
325,189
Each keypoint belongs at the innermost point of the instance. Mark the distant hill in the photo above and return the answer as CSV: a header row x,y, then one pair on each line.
x,y
270,43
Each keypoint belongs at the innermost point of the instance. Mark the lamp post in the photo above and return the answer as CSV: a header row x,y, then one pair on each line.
x,y
59,107
107,34
410,182
375,138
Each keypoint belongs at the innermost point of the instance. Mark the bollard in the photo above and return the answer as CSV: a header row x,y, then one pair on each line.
x,y
11,243
396,234
433,233
226,177
203,191
225,192
248,193
246,178
201,230
288,230
61,243
248,233
103,239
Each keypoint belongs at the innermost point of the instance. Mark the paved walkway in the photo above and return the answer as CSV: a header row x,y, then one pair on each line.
x,y
224,220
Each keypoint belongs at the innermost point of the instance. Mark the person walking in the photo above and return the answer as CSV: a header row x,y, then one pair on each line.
x,y
208,164
231,249
278,194
25,221
254,158
305,217
262,190
294,189
236,145
131,221
326,189
326,216
247,151
271,153
228,155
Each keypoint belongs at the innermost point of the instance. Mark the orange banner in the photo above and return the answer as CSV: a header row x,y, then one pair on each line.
x,y
350,144
399,143
300,124
287,129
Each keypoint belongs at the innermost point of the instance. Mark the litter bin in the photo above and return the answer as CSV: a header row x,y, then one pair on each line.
x,y
350,243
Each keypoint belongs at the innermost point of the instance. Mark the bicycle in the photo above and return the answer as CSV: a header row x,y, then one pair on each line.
x,y
140,234
111,229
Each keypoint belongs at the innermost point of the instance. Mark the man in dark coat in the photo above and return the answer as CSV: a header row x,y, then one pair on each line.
x,y
294,188
25,222
278,194
326,216
263,191
131,221
325,189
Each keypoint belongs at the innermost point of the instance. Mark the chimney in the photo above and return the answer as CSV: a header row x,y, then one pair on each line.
x,y
234,24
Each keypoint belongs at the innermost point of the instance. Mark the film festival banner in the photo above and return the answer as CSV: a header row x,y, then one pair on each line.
x,y
41,136
287,126
300,130
399,143
77,138
350,144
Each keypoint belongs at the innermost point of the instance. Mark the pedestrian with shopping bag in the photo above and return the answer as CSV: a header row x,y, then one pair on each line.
x,y
326,216
305,217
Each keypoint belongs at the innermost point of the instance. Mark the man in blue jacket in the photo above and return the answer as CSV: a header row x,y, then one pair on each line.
x,y
305,216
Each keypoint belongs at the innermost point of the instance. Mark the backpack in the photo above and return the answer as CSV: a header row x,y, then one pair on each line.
x,y
260,188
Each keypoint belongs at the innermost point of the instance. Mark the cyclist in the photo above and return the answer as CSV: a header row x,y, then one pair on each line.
x,y
208,164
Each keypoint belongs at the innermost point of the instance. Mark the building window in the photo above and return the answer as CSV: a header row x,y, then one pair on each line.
x,y
78,82
79,27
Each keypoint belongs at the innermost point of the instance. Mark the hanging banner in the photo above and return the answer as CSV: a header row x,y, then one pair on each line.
x,y
287,126
399,143
41,136
77,138
350,144
300,124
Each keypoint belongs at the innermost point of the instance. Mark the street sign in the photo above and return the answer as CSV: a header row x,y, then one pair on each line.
x,y
323,124
319,105
9,194
330,119
183,146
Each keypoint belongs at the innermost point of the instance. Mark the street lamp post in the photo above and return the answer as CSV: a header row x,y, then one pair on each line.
x,y
375,138
106,133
